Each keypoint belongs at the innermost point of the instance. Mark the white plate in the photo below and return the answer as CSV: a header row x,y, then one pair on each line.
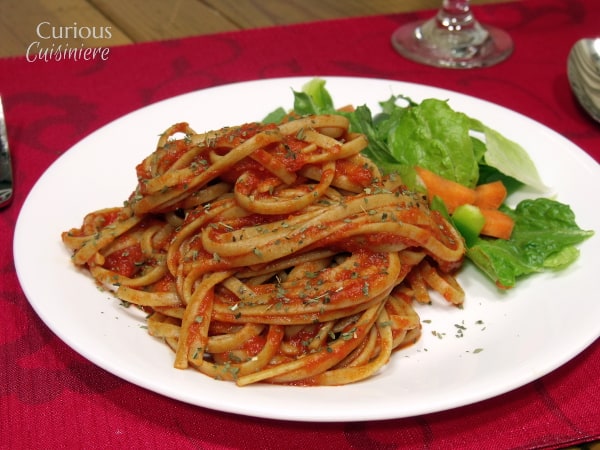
x,y
523,334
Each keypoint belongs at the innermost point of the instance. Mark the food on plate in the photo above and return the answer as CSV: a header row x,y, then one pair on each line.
x,y
273,253
293,250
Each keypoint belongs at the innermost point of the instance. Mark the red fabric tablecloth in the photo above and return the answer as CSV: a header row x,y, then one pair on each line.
x,y
51,397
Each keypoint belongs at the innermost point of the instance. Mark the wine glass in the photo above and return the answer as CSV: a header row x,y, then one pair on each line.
x,y
453,38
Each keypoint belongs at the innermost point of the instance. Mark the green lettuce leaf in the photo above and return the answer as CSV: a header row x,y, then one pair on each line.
x,y
544,238
511,159
434,136
275,116
313,98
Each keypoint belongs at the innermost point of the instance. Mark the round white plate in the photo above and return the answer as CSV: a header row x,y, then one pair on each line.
x,y
496,343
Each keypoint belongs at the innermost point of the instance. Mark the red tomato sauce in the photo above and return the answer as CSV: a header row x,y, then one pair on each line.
x,y
254,345
125,262
360,175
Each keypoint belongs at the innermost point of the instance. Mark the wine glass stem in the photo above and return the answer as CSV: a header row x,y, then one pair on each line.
x,y
455,15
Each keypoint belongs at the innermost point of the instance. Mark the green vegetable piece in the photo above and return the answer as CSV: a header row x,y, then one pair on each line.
x,y
275,116
434,136
511,159
313,99
544,238
315,88
469,221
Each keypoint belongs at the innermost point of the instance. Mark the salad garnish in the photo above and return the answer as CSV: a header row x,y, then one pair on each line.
x,y
427,143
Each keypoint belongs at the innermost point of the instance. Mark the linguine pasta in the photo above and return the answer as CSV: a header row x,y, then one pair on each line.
x,y
272,253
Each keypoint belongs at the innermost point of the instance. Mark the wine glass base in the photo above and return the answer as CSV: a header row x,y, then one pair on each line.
x,y
425,42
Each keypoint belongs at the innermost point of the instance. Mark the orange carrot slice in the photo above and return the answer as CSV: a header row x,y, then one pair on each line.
x,y
497,224
490,195
452,193
347,108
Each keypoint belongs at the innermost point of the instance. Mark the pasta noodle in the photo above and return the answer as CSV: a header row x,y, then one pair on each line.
x,y
272,253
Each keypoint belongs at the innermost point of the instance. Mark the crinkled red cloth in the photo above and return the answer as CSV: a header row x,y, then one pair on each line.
x,y
51,397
